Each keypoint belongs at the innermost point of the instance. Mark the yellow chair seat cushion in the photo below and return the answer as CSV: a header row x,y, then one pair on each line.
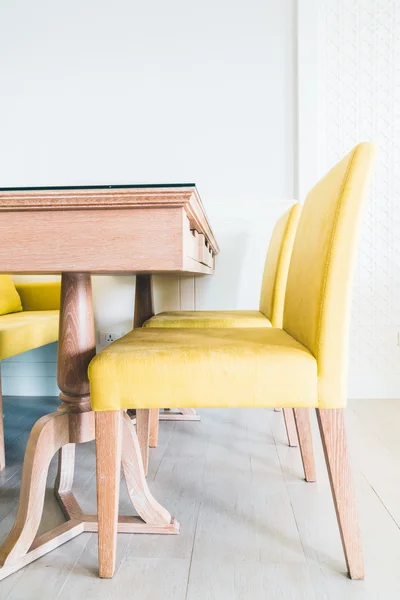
x,y
10,302
24,331
157,367
209,318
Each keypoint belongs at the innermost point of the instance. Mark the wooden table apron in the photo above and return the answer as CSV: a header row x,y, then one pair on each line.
x,y
26,249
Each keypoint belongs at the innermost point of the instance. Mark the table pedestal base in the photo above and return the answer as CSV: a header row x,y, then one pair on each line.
x,y
73,423
181,414
60,431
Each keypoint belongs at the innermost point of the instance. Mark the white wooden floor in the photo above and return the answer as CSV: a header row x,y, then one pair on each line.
x,y
251,528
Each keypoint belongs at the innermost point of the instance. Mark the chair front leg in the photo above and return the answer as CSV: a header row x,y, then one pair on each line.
x,y
108,469
334,442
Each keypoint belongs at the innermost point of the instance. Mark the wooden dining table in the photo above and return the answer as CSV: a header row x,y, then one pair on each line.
x,y
80,231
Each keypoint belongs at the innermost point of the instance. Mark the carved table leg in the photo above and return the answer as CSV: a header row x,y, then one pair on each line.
x,y
76,348
73,423
181,414
144,309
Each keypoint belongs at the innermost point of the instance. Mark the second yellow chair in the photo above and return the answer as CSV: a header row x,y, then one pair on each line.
x,y
270,313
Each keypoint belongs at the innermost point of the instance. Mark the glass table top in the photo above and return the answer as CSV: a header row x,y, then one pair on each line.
x,y
98,187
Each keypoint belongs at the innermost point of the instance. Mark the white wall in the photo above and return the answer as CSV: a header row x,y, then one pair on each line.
x,y
359,99
150,92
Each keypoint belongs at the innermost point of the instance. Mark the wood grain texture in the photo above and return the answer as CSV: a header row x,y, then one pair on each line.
x,y
334,442
48,435
154,427
64,482
290,425
144,310
133,525
44,544
303,427
132,464
108,468
143,434
144,300
113,240
124,231
2,444
60,199
77,340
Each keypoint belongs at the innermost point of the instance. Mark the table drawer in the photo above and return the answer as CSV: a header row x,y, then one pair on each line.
x,y
198,249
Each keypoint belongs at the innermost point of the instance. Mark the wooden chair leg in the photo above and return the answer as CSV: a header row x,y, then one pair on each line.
x,y
143,434
290,425
108,469
154,425
303,427
2,446
334,442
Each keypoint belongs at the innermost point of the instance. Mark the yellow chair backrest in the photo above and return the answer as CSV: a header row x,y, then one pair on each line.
x,y
318,293
277,263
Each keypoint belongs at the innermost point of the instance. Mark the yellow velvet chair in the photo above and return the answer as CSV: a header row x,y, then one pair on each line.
x,y
270,313
28,319
302,365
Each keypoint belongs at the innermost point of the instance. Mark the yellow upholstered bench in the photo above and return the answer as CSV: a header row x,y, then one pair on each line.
x,y
302,365
28,319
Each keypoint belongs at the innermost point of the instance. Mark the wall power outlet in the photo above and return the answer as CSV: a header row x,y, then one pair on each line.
x,y
106,337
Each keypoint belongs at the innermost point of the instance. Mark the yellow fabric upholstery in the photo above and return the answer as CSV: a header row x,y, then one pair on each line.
x,y
40,296
303,365
10,302
37,325
318,293
24,331
209,318
272,289
156,367
277,263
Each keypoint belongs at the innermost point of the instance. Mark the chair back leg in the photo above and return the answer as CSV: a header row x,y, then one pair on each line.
x,y
334,442
303,427
108,469
143,434
288,415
